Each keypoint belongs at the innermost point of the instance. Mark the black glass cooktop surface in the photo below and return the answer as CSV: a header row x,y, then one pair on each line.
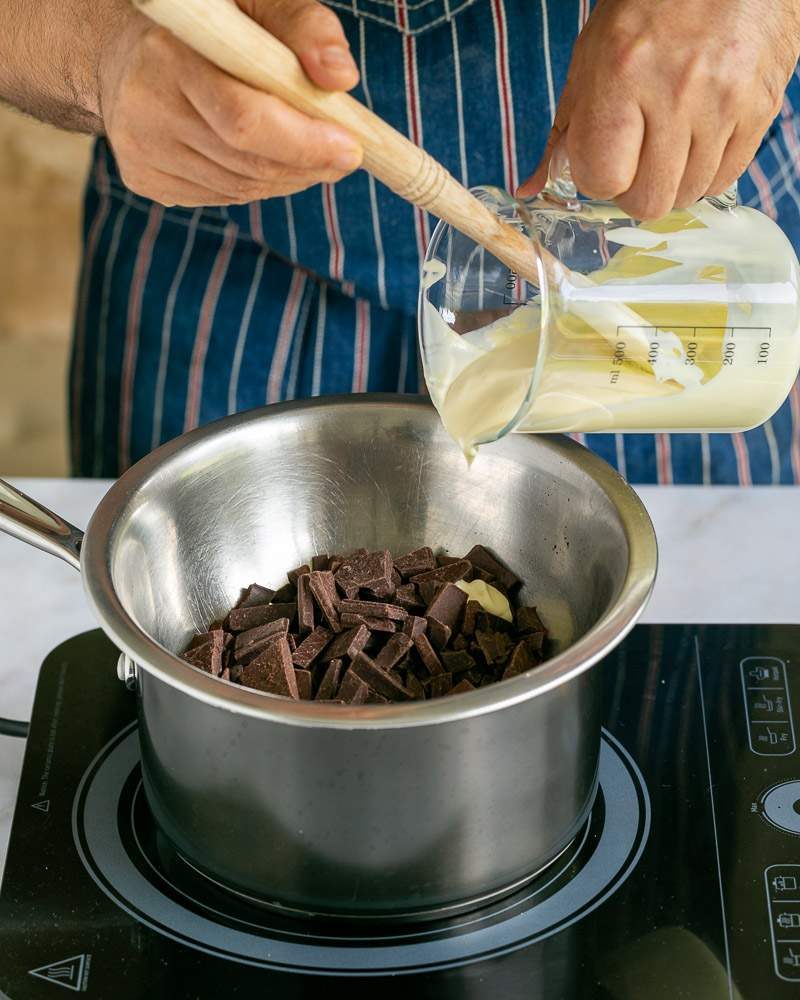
x,y
685,882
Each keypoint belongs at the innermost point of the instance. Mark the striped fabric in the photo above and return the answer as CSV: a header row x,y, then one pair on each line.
x,y
184,316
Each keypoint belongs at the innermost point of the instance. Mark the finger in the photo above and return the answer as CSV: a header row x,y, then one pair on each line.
x,y
275,179
739,152
249,121
534,184
662,162
314,33
604,140
167,189
702,164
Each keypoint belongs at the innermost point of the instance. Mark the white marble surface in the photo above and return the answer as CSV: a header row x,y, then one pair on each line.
x,y
726,555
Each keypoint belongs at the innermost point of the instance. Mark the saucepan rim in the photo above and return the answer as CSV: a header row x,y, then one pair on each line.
x,y
159,662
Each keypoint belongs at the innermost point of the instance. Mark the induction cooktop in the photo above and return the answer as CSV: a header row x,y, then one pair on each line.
x,y
684,882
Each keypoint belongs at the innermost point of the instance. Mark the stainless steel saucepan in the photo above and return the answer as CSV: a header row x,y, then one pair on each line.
x,y
363,810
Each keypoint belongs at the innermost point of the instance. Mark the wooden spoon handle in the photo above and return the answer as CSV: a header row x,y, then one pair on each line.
x,y
227,37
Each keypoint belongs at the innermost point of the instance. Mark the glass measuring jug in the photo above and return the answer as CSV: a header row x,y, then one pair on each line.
x,y
690,323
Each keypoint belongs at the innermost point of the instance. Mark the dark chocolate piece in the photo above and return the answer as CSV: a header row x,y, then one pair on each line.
x,y
352,690
444,560
348,643
535,643
242,619
320,562
226,674
446,574
414,626
305,606
379,680
207,657
299,571
259,633
329,684
254,595
457,662
460,642
373,624
495,646
304,686
407,596
216,636
439,632
527,620
471,612
414,685
367,571
428,589
447,606
272,671
483,559
393,652
323,588
427,654
373,698
521,660
284,594
439,685
413,563
373,609
292,641
311,647
462,687
244,656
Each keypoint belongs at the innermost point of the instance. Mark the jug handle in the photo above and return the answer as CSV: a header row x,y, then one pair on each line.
x,y
29,521
560,188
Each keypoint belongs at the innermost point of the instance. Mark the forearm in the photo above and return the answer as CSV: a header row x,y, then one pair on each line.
x,y
50,57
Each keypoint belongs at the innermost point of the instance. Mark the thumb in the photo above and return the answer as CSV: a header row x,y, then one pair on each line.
x,y
315,35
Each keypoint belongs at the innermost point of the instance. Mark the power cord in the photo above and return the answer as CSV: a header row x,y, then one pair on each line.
x,y
13,727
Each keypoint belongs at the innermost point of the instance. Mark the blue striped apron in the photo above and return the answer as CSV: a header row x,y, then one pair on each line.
x,y
186,315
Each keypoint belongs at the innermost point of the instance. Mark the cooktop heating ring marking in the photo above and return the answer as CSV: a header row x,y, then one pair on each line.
x,y
615,855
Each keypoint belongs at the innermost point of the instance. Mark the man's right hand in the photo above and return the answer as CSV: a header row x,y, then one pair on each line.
x,y
185,133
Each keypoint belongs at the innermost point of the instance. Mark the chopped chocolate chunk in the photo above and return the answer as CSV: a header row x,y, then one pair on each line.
x,y
462,687
414,685
352,690
365,570
373,624
254,595
226,674
527,620
414,626
495,646
521,660
445,560
483,559
471,612
311,647
305,606
447,606
373,698
216,636
320,562
236,671
379,593
396,578
323,588
259,633
394,651
415,562
460,642
439,632
284,594
292,641
457,662
348,643
428,589
379,680
439,685
427,654
242,619
535,642
407,596
272,671
207,657
373,609
304,686
248,653
446,574
294,574
329,684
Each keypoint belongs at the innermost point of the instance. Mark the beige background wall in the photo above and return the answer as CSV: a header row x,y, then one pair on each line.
x,y
41,179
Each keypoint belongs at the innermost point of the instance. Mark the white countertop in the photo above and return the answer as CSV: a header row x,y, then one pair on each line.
x,y
726,555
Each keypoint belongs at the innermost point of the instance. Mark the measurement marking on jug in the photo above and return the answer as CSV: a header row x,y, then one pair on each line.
x,y
767,706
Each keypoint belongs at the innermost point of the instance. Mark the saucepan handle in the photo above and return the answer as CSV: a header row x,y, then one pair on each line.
x,y
29,521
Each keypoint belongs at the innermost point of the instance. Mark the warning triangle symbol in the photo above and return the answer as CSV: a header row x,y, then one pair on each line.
x,y
68,972
43,806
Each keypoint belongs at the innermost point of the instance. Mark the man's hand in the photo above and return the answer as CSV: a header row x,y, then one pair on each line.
x,y
185,133
667,100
